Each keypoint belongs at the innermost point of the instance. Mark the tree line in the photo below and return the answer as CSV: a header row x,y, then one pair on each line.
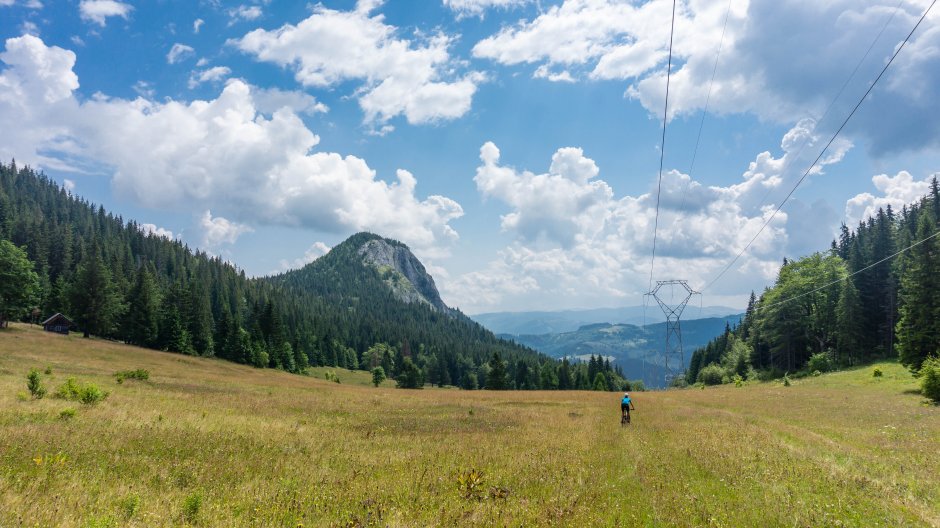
x,y
842,307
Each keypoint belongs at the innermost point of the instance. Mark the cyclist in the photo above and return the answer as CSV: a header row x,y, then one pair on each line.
x,y
625,405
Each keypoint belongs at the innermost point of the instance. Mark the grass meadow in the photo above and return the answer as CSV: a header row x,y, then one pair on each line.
x,y
204,442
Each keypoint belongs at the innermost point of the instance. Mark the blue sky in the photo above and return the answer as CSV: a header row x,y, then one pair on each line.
x,y
528,131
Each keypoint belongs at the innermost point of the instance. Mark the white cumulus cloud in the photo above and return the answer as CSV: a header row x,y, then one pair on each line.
x,y
213,74
479,7
399,77
574,239
98,11
153,229
781,60
895,191
218,231
245,155
315,251
178,53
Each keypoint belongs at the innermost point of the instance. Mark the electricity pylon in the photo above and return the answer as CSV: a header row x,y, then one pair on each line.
x,y
673,312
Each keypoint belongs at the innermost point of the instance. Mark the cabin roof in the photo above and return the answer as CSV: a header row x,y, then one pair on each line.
x,y
54,317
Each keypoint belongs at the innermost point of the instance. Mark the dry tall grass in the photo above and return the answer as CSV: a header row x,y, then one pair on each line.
x,y
210,443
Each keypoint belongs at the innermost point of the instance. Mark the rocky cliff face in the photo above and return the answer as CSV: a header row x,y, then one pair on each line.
x,y
403,272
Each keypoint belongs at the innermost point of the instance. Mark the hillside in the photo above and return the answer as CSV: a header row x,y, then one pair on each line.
x,y
560,321
637,350
118,280
211,443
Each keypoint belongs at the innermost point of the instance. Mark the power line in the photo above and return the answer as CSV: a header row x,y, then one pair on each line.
x,y
662,148
799,151
708,97
823,152
847,277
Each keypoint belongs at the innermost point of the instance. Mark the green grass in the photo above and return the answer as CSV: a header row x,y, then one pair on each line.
x,y
210,443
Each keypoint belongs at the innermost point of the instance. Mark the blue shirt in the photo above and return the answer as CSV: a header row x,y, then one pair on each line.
x,y
625,401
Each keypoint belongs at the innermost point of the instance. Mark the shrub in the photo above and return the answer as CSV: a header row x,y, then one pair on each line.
x,y
88,394
820,362
34,384
67,414
930,378
876,373
711,374
786,380
738,380
191,507
139,374
816,373
638,385
130,506
470,484
48,371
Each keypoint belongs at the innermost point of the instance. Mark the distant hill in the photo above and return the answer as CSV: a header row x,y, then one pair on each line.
x,y
634,348
545,322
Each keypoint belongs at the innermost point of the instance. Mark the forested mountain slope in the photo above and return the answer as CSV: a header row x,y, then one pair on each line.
x,y
118,281
874,294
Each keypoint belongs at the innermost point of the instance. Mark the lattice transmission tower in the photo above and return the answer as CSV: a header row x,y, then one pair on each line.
x,y
673,311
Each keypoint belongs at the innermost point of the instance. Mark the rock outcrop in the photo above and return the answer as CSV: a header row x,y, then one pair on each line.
x,y
403,272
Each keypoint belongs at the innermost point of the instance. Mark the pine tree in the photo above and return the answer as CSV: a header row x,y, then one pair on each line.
x,y
94,298
848,322
496,379
141,325
199,320
919,326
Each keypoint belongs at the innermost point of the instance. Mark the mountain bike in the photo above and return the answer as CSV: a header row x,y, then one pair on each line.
x,y
625,419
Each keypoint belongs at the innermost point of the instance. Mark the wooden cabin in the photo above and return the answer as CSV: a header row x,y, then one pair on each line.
x,y
58,323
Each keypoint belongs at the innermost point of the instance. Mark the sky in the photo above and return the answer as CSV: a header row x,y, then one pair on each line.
x,y
514,145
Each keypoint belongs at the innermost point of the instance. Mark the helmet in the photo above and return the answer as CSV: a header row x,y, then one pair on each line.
x,y
626,395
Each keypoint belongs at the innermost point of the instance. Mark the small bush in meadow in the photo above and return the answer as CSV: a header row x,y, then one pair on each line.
x,y
470,484
48,371
88,394
738,380
139,374
191,506
67,414
877,373
786,380
711,374
820,362
34,384
930,379
816,373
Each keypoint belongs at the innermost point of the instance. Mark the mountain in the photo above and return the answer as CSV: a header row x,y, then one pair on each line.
x,y
518,323
158,293
636,349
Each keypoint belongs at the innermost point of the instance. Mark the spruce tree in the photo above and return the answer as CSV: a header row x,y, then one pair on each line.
x,y
199,319
94,298
919,326
849,322
496,379
141,324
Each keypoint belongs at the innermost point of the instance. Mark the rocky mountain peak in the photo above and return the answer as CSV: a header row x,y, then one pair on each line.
x,y
402,272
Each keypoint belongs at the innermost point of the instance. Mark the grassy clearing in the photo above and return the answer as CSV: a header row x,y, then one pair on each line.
x,y
209,443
